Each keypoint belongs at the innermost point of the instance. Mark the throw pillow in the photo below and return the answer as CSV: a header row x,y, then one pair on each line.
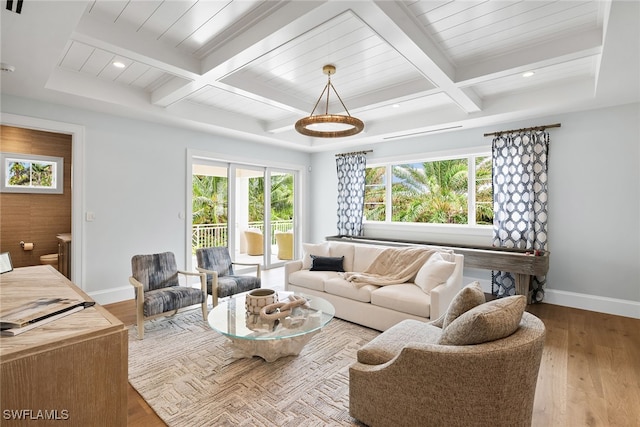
x,y
487,322
343,249
321,249
467,298
434,272
326,263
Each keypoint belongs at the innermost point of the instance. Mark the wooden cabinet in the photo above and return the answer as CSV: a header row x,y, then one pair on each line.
x,y
72,370
64,254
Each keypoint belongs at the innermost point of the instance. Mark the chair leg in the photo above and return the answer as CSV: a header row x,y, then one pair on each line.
x,y
204,307
214,299
140,328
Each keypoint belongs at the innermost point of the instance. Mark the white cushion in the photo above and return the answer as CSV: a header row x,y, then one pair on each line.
x,y
406,297
343,249
434,272
319,249
311,279
364,256
343,288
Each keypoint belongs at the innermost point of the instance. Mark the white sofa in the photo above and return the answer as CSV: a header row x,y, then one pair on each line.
x,y
424,298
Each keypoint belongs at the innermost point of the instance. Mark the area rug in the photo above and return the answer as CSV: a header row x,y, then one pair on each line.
x,y
186,373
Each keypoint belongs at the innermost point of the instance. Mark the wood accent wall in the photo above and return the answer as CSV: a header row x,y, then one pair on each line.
x,y
35,218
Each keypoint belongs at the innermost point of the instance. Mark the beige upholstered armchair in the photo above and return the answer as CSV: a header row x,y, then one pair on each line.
x,y
407,376
284,240
157,288
255,241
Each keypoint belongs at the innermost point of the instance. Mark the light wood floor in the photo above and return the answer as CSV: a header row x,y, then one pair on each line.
x,y
589,375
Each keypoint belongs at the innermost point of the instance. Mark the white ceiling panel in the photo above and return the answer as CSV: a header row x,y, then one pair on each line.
x,y
472,31
578,69
97,62
252,68
164,17
228,101
365,63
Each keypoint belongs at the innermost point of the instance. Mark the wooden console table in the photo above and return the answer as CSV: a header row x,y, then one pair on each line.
x,y
521,263
72,371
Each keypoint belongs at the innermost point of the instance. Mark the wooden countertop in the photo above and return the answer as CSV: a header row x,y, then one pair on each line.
x,y
23,285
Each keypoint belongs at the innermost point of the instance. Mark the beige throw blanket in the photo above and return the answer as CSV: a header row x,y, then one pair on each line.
x,y
391,267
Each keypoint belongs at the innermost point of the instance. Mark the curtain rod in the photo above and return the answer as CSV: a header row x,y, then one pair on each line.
x,y
556,125
354,152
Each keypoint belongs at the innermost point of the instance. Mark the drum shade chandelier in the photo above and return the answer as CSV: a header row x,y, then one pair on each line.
x,y
329,125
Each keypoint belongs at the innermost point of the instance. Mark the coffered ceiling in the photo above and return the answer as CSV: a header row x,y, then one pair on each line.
x,y
251,69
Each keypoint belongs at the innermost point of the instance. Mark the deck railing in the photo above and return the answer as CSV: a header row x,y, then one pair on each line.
x,y
208,235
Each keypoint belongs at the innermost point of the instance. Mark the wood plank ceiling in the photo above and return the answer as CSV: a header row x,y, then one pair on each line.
x,y
252,68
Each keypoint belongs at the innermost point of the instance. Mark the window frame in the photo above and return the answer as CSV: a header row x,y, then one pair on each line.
x,y
57,166
471,228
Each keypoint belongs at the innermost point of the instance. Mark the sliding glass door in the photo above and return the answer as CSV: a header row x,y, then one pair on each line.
x,y
250,209
250,233
210,206
281,215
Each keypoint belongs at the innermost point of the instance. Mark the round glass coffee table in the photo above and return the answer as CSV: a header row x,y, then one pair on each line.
x,y
251,335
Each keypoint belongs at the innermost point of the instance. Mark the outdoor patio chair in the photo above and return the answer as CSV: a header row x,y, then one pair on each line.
x,y
255,241
284,240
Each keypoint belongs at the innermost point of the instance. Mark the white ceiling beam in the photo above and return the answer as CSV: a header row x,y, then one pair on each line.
x,y
274,29
229,123
588,43
396,26
87,86
136,46
619,72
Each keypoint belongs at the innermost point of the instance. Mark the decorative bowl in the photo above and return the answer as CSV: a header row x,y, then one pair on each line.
x,y
258,298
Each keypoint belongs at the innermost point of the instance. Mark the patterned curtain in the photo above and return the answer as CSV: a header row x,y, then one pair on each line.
x,y
351,179
520,201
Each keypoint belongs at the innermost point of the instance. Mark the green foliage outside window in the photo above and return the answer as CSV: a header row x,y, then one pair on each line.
x,y
430,192
209,199
31,174
210,202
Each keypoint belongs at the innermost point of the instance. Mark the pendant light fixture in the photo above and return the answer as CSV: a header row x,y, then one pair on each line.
x,y
329,125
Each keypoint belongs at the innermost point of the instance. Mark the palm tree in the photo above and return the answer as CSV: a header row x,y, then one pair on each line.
x,y
484,191
375,193
41,174
281,197
209,199
433,192
19,173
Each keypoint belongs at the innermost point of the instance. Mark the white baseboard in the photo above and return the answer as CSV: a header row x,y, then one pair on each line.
x,y
619,307
110,296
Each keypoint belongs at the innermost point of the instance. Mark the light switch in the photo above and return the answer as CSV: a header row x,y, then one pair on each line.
x,y
90,216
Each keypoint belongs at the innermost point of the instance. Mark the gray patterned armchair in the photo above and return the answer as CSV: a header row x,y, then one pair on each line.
x,y
157,288
221,278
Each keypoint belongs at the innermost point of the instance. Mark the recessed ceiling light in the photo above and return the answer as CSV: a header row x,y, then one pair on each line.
x,y
528,74
118,64
395,106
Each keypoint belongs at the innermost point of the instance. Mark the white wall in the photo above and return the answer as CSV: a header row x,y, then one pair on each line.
x,y
135,184
594,206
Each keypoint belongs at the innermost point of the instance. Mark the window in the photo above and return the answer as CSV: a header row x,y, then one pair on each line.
x,y
448,191
375,194
31,173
